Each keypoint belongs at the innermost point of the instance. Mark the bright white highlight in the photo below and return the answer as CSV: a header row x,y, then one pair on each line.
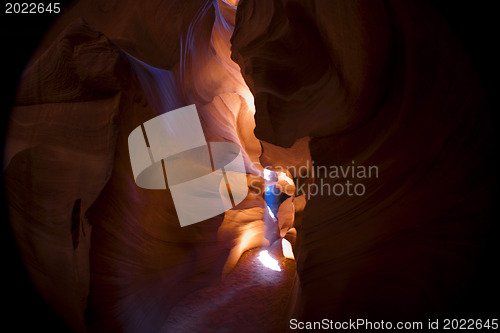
x,y
269,261
283,177
271,214
267,174
287,249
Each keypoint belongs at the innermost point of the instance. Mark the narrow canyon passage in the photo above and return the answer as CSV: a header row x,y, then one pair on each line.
x,y
361,140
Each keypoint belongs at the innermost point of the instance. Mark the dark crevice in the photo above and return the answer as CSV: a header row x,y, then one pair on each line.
x,y
75,223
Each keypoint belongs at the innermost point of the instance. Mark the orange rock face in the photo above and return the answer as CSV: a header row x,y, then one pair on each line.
x,y
373,85
370,113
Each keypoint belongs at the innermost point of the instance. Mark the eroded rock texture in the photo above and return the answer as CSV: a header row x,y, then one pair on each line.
x,y
375,83
67,154
384,84
58,158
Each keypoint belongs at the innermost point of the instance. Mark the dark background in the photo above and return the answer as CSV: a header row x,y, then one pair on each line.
x,y
473,23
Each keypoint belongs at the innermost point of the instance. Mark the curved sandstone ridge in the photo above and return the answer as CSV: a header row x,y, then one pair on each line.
x,y
316,90
382,84
67,153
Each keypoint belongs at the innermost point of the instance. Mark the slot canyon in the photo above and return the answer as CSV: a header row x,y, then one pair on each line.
x,y
367,138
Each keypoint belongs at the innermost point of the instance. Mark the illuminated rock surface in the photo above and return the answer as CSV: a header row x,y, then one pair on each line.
x,y
382,84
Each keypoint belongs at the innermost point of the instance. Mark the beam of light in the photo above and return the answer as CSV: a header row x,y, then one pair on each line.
x,y
267,174
269,261
283,177
270,176
271,214
287,249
